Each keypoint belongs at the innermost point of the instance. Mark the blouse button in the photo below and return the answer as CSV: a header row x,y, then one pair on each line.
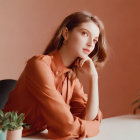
x,y
56,73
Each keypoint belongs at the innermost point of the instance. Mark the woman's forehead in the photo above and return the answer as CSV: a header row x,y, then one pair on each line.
x,y
91,27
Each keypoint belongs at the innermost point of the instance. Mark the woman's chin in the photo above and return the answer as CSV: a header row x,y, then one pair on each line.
x,y
83,55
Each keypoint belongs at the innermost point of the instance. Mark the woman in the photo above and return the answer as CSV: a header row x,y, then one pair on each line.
x,y
49,90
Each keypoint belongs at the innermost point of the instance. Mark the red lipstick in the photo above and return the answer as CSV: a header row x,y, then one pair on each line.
x,y
87,50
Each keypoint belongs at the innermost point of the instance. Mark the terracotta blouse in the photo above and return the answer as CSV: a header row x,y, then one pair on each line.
x,y
50,100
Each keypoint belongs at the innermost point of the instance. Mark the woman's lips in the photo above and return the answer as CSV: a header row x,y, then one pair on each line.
x,y
87,51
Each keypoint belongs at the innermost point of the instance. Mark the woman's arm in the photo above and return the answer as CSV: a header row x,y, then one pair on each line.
x,y
88,71
79,102
93,99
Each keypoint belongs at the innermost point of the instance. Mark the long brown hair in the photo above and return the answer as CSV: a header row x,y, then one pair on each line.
x,y
99,54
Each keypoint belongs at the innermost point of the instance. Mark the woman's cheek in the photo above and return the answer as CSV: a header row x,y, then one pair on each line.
x,y
75,43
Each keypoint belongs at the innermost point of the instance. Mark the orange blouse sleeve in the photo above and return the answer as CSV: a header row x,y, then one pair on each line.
x,y
60,121
79,100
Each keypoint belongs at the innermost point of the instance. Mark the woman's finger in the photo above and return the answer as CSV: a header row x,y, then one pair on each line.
x,y
83,61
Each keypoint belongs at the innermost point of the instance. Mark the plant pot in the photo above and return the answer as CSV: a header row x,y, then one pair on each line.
x,y
3,135
14,134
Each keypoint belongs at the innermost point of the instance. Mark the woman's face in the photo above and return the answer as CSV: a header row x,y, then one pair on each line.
x,y
82,39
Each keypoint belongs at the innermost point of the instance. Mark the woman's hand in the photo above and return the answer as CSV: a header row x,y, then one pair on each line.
x,y
87,67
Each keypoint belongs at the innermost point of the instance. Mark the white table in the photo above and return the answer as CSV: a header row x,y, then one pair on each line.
x,y
125,127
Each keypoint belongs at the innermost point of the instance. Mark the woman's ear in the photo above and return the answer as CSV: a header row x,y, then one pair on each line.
x,y
65,33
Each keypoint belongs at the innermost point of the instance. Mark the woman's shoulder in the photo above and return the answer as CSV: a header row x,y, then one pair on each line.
x,y
40,58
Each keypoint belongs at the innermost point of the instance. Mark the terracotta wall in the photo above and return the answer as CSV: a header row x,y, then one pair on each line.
x,y
26,26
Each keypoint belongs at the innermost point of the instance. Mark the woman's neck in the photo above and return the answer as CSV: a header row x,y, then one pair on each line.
x,y
67,57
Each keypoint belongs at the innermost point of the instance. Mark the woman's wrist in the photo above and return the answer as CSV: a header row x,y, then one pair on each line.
x,y
93,77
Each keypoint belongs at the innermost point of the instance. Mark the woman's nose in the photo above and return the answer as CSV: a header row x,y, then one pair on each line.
x,y
90,42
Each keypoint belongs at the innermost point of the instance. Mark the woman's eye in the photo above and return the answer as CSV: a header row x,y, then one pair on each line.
x,y
95,41
85,33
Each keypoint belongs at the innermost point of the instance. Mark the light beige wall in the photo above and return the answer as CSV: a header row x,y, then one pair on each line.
x,y
26,26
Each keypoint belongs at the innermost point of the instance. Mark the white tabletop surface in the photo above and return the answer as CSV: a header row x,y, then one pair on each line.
x,y
125,127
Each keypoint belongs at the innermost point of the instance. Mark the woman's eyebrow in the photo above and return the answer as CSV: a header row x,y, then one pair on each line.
x,y
88,31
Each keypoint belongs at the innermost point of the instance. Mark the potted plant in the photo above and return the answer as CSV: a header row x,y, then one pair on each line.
x,y
137,101
15,125
3,125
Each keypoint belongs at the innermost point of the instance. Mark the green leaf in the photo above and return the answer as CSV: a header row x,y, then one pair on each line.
x,y
136,101
26,125
1,113
7,115
5,122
